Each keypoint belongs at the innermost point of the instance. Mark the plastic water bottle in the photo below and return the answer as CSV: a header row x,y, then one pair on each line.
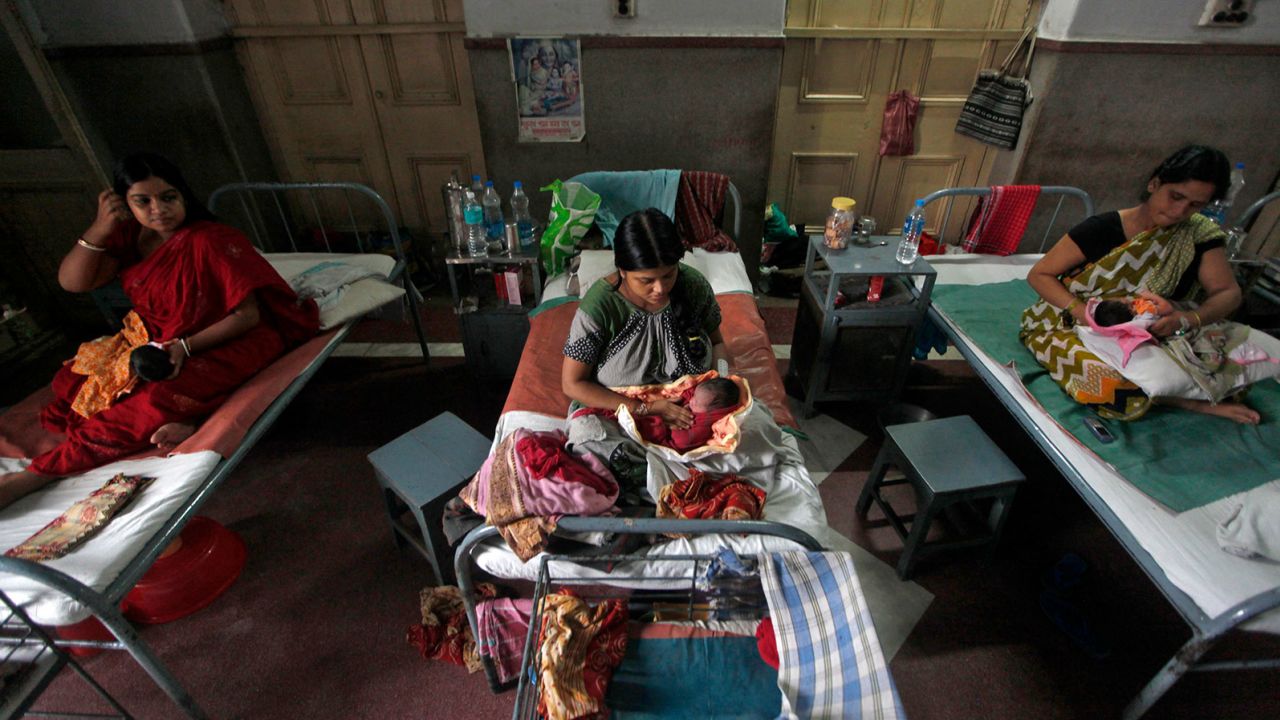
x,y
912,228
520,214
493,222
1237,184
473,217
477,186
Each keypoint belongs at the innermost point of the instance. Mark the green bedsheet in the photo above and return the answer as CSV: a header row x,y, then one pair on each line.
x,y
1181,459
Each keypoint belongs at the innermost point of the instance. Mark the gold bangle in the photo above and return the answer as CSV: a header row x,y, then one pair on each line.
x,y
1074,302
185,347
1199,321
90,246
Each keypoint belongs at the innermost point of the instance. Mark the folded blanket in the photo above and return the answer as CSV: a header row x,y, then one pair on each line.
x,y
326,281
530,481
1252,530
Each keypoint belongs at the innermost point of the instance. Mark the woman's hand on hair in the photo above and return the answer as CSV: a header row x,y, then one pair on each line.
x,y
676,416
111,212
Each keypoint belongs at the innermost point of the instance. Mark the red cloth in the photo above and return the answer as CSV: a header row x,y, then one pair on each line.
x,y
767,643
191,281
653,429
898,127
1000,219
545,459
699,209
702,496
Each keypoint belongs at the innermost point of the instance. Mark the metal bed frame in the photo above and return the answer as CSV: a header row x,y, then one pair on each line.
x,y
1063,191
19,634
1206,631
625,526
1243,221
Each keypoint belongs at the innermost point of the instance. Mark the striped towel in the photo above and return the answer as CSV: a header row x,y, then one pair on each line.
x,y
1000,219
699,209
832,665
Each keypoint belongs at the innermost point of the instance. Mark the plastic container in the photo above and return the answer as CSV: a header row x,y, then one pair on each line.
x,y
1237,184
493,222
203,566
912,227
473,217
840,222
521,217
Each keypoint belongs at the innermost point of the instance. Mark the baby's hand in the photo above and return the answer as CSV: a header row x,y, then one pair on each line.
x,y
1159,305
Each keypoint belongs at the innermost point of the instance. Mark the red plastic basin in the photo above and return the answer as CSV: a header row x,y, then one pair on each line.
x,y
208,561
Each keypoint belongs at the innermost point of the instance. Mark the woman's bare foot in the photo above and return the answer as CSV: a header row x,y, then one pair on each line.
x,y
171,435
1234,411
15,485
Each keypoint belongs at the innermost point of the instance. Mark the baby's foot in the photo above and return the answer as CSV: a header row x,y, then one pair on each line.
x,y
1238,412
171,435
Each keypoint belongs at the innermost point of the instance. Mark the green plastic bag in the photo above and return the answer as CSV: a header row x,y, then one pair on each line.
x,y
573,209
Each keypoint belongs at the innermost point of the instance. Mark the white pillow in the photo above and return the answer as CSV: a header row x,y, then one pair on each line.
x,y
1151,368
358,298
725,271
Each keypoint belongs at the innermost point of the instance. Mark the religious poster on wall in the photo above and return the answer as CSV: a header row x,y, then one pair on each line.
x,y
548,76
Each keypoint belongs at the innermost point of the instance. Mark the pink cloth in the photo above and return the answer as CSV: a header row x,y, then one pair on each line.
x,y
504,625
1000,219
552,481
1127,335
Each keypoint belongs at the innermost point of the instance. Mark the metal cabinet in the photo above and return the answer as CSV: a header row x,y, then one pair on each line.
x,y
845,346
493,330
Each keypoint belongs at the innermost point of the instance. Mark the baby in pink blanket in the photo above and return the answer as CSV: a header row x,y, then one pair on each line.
x,y
1126,321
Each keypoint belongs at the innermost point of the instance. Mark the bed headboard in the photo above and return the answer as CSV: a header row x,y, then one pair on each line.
x,y
1057,224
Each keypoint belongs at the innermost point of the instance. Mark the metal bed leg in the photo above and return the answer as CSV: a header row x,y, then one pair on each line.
x,y
147,658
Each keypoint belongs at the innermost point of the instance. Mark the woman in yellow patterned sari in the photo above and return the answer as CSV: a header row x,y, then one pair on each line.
x,y
1161,247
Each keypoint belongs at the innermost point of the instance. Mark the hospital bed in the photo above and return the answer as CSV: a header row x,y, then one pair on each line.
x,y
793,506
1213,591
93,579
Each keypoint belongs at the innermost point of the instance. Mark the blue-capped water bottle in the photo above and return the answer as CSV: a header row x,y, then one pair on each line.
x,y
520,214
493,221
912,229
473,219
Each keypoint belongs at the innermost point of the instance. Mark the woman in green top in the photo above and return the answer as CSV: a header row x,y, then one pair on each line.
x,y
652,321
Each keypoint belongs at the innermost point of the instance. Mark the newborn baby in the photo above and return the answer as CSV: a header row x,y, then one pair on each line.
x,y
1117,312
709,401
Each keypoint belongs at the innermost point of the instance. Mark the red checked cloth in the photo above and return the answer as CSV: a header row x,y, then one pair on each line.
x,y
1000,219
699,208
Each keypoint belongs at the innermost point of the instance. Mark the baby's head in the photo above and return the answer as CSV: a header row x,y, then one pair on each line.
x,y
1112,312
151,363
714,394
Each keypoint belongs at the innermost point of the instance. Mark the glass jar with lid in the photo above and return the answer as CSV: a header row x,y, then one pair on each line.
x,y
840,222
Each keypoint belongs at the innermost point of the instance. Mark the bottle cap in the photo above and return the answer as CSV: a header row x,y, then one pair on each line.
x,y
1239,166
920,203
516,184
488,183
475,177
843,203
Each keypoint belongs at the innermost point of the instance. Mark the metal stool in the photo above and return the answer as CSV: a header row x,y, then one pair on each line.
x,y
947,461
422,470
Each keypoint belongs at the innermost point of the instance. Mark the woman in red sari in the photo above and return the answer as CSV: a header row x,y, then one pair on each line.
x,y
199,290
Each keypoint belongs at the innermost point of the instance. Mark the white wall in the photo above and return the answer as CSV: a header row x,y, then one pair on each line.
x,y
126,22
654,18
1172,21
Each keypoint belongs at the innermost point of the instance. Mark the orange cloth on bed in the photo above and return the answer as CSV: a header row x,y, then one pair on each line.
x,y
703,496
105,362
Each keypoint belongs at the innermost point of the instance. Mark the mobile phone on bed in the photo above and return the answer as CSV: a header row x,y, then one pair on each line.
x,y
1099,430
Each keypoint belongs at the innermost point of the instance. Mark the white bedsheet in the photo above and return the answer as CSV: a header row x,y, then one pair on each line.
x,y
791,499
724,270
1184,545
99,560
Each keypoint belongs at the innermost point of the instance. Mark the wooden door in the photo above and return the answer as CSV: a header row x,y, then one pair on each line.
x,y
371,91
49,182
842,59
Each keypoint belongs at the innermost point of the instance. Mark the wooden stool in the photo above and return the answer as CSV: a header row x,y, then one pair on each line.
x,y
947,461
422,470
